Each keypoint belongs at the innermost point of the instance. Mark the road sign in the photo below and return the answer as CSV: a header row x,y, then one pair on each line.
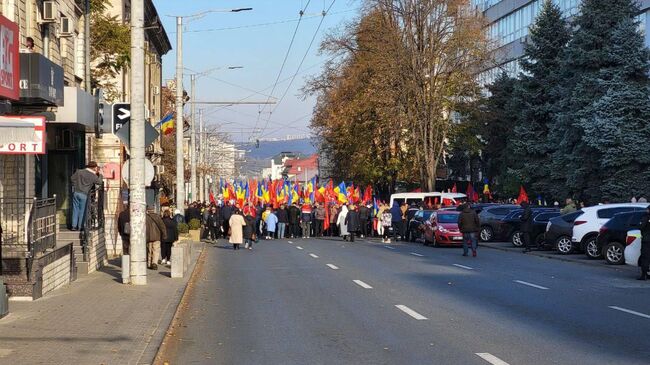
x,y
150,134
121,116
148,172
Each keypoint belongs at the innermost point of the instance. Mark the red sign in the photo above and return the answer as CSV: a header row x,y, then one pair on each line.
x,y
9,60
31,140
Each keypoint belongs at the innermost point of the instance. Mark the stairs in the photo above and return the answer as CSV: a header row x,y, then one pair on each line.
x,y
66,236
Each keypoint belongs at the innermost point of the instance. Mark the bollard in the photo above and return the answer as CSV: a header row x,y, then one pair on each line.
x,y
126,269
178,260
4,299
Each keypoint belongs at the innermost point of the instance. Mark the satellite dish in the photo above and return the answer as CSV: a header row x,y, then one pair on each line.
x,y
148,172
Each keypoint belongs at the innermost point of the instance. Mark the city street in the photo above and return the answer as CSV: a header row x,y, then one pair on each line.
x,y
322,301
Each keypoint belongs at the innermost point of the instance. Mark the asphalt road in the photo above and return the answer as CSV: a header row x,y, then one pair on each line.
x,y
331,302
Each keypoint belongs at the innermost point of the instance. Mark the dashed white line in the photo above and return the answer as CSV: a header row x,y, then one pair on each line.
x,y
390,248
290,241
416,254
298,247
531,284
491,358
312,255
630,311
362,284
411,312
333,267
464,267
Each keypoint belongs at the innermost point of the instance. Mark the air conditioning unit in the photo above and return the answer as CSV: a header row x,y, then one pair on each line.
x,y
65,28
50,11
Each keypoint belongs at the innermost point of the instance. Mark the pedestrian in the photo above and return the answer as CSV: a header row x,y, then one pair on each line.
x,y
124,229
410,213
305,220
83,180
396,214
526,226
386,222
319,215
236,225
364,216
226,213
352,222
642,199
283,219
171,237
644,258
334,211
404,208
249,229
341,222
569,207
271,224
214,223
294,220
178,217
156,231
380,215
469,225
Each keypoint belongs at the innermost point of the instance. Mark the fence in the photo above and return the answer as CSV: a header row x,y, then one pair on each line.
x,y
28,225
94,217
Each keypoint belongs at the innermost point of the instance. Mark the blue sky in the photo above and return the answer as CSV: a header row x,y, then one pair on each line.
x,y
260,50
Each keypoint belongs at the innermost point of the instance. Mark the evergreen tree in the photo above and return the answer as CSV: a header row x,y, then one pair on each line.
x,y
576,159
619,128
537,96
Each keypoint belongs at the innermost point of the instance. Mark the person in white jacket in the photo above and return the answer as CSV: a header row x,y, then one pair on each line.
x,y
343,227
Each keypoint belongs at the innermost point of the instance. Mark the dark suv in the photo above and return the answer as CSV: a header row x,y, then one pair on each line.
x,y
512,224
490,218
612,235
416,222
559,231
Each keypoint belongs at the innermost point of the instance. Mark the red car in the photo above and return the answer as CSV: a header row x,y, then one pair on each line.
x,y
442,229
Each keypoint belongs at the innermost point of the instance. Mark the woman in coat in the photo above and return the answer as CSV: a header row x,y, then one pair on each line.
x,y
352,221
340,222
249,230
236,223
644,259
172,236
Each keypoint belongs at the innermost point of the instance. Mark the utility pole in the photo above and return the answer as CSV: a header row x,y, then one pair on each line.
x,y
180,165
193,146
202,193
137,199
87,48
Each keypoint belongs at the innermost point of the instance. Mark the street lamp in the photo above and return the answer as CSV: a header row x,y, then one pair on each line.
x,y
180,179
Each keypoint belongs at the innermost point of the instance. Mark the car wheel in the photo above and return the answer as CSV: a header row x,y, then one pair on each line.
x,y
517,239
614,253
564,245
486,234
591,248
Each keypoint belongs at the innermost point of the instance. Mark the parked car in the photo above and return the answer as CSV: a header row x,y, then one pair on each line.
x,y
587,225
632,247
490,218
559,231
612,235
442,229
541,217
416,224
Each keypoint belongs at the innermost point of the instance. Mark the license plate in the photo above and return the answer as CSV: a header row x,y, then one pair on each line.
x,y
457,238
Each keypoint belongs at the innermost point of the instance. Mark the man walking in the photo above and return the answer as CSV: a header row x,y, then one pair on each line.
x,y
305,220
82,182
283,219
156,232
320,220
124,229
294,220
469,225
526,225
364,215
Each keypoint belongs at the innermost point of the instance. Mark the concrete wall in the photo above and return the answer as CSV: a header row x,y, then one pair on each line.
x,y
98,254
56,274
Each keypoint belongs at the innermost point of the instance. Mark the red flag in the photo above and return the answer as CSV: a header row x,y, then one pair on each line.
x,y
523,197
212,199
326,224
453,189
367,195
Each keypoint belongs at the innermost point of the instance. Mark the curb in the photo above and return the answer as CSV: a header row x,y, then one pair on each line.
x,y
157,359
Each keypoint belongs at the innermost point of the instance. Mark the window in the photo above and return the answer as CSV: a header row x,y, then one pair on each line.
x,y
545,217
499,211
609,212
571,217
448,218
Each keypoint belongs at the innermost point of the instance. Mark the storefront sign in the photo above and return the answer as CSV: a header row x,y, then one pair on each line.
x,y
9,62
41,80
20,135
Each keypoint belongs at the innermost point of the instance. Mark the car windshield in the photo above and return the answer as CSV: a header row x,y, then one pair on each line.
x,y
427,214
447,218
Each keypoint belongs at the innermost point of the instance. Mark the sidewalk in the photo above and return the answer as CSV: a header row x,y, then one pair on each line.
x,y
94,320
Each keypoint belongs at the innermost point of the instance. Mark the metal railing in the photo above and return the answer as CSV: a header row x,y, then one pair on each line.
x,y
93,217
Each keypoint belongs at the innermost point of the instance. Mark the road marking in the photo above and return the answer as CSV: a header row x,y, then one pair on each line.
x,y
390,248
416,254
464,267
411,312
362,284
298,247
333,267
630,311
290,241
491,358
531,284
312,255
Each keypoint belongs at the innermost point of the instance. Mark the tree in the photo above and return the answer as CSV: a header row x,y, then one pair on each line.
x,y
443,45
577,160
537,95
110,49
619,130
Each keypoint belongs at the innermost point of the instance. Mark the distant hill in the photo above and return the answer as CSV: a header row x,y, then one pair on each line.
x,y
269,149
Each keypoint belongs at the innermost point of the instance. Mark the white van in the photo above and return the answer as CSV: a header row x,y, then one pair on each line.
x,y
427,198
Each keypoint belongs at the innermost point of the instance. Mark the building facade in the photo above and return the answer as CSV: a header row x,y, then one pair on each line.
x,y
509,21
